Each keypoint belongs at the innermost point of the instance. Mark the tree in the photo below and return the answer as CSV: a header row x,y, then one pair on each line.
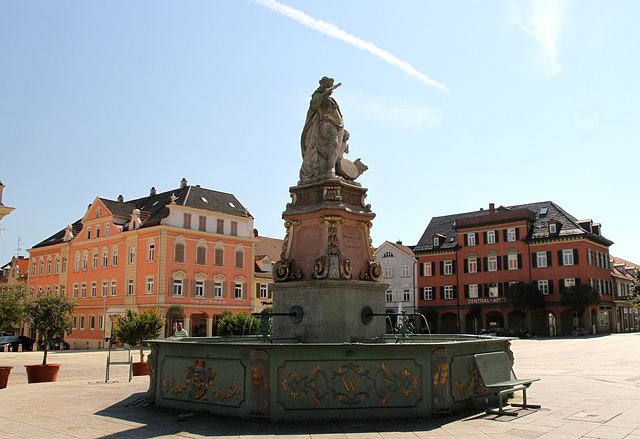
x,y
525,298
635,289
134,327
51,316
578,298
12,308
237,324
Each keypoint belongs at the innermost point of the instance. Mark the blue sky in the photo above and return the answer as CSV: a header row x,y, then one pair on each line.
x,y
452,104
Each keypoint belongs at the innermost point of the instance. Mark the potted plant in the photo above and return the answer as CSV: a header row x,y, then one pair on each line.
x,y
134,327
11,314
51,316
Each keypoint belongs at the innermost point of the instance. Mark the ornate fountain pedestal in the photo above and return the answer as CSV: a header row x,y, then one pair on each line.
x,y
327,266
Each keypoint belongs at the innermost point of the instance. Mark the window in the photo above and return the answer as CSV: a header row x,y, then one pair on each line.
x,y
76,263
264,291
92,323
513,261
201,254
567,257
388,296
56,266
511,235
151,252
178,252
82,322
83,291
98,212
150,285
491,237
94,289
94,260
106,229
114,258
33,268
238,291
569,282
473,265
239,258
130,287
426,267
427,293
114,288
202,223
200,287
48,266
471,239
75,322
234,228
473,291
448,292
88,232
41,268
220,227
406,295
217,290
552,228
132,255
75,291
177,287
97,231
436,242
405,271
186,221
542,259
492,263
105,259
218,256
493,290
387,254
543,287
101,322
64,265
387,271
105,288
448,268
604,317
589,257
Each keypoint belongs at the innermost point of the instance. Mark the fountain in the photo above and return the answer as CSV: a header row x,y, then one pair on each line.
x,y
328,355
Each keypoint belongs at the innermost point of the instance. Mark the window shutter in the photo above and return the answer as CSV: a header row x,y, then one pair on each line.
x,y
560,261
519,261
517,233
422,269
497,235
245,292
561,284
466,240
500,289
499,260
480,289
208,288
224,289
486,290
193,287
484,237
550,287
455,291
549,262
441,268
453,266
485,262
433,268
257,290
575,256
466,291
441,293
477,238
534,260
170,289
504,235
466,265
578,281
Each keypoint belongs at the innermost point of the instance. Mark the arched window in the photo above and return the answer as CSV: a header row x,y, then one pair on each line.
x,y
178,251
239,259
218,255
201,253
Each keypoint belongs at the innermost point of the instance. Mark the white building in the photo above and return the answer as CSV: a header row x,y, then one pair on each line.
x,y
399,271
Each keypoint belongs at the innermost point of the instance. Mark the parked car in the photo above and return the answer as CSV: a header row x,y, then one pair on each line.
x,y
56,344
13,341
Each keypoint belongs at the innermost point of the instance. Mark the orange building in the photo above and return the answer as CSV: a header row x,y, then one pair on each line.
x,y
468,261
190,246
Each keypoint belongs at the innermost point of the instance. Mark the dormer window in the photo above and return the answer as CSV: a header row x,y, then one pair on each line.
x,y
552,228
436,242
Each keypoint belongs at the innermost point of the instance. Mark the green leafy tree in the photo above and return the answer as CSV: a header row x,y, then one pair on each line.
x,y
578,298
237,324
525,298
51,316
12,308
635,289
134,327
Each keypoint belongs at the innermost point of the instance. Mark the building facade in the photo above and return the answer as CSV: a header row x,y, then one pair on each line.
x,y
190,246
467,262
627,318
266,254
398,271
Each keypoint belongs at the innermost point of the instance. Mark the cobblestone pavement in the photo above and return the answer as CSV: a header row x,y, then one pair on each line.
x,y
590,388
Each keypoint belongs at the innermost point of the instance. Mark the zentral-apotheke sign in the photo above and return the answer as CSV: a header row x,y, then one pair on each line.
x,y
488,300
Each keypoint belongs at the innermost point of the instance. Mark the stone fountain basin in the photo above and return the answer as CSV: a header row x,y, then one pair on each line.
x,y
424,376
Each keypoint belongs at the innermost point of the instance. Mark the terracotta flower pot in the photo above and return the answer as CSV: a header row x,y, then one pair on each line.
x,y
4,375
38,373
139,368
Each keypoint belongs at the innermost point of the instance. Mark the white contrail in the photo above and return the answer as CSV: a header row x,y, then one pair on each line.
x,y
332,30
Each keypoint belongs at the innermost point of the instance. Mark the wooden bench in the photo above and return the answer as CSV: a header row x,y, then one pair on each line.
x,y
498,376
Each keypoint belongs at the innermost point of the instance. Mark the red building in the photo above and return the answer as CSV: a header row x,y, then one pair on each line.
x,y
190,246
468,261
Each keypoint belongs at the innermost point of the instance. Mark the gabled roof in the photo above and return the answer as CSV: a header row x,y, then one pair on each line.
x,y
623,269
271,247
541,213
153,209
402,248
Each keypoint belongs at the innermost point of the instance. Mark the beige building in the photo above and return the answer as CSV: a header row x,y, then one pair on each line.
x,y
627,318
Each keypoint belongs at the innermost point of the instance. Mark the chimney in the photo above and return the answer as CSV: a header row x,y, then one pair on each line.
x,y
152,192
399,242
183,183
120,199
255,232
492,207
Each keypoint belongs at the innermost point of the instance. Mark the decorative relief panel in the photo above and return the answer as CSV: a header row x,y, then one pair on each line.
x,y
210,381
465,379
335,384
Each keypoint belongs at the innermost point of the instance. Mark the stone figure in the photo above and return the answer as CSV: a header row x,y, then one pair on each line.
x,y
324,139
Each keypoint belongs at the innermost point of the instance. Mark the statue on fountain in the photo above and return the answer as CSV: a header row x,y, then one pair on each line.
x,y
324,139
